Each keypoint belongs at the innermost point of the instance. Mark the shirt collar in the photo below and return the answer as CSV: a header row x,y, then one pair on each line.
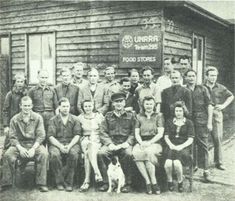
x,y
147,85
60,118
122,113
31,116
40,87
215,85
179,122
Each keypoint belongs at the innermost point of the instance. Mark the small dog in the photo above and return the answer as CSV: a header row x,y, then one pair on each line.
x,y
115,175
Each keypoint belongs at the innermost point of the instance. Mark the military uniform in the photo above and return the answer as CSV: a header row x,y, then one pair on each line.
x,y
64,133
44,102
26,134
117,130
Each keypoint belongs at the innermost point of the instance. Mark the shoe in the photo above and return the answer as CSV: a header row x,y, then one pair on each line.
x,y
206,176
180,187
148,189
42,188
126,189
156,189
85,187
170,186
69,188
220,167
103,188
59,187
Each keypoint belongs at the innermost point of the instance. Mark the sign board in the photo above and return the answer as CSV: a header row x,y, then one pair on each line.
x,y
139,48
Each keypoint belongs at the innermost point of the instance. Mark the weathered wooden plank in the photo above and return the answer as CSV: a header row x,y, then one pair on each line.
x,y
89,64
17,60
179,45
18,54
139,22
81,46
103,58
17,36
88,52
16,43
78,20
16,67
177,52
81,15
88,39
178,38
18,49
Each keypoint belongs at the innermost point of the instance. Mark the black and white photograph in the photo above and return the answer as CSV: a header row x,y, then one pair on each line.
x,y
117,100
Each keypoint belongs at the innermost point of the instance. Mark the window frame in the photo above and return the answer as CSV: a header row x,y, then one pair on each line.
x,y
27,55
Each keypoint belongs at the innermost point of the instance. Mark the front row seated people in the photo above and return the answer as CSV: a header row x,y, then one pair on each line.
x,y
26,135
179,135
63,134
148,132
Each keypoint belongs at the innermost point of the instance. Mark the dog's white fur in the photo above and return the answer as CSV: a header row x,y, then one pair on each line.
x,y
115,175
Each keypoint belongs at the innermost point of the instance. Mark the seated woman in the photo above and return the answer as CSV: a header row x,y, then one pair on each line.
x,y
179,133
90,142
149,130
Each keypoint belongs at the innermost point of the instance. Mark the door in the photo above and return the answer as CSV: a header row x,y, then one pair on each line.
x,y
198,56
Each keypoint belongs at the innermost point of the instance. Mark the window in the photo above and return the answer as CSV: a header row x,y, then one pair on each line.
x,y
198,56
41,55
4,45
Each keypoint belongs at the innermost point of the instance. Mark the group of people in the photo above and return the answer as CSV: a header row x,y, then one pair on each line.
x,y
90,121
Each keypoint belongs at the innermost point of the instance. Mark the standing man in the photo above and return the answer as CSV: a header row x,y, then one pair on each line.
x,y
117,137
63,134
12,104
68,90
202,111
44,98
221,97
26,136
164,81
78,71
134,76
175,93
149,88
184,62
131,100
95,92
110,82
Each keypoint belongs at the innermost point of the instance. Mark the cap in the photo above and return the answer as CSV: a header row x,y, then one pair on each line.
x,y
118,96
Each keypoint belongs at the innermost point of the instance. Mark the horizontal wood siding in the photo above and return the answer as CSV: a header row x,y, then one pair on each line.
x,y
180,24
87,32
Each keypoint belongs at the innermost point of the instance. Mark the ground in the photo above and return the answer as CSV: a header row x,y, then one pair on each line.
x,y
222,188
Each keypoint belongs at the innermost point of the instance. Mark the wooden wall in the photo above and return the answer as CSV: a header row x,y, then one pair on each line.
x,y
87,32
180,24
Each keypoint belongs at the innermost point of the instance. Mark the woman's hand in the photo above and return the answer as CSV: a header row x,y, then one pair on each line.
x,y
178,148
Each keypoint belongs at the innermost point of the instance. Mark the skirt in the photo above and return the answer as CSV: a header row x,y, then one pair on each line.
x,y
184,156
150,153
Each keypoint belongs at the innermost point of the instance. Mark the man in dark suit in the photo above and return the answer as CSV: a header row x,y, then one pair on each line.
x,y
175,93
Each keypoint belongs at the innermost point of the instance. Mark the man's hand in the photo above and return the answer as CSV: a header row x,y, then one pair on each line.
x,y
172,147
178,148
31,152
63,149
67,148
219,107
6,130
23,152
124,145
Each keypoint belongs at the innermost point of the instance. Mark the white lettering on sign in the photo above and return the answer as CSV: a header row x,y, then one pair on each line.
x,y
147,47
146,59
129,59
146,39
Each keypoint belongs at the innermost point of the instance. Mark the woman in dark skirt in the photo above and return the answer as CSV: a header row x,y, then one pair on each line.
x,y
148,132
179,134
